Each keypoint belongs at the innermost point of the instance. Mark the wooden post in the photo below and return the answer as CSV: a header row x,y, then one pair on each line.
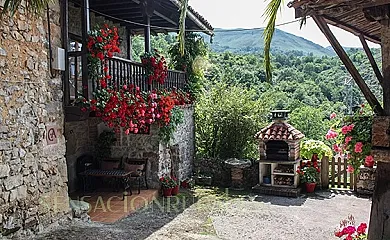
x,y
370,97
333,170
371,59
325,172
84,58
65,40
129,43
380,210
339,172
147,33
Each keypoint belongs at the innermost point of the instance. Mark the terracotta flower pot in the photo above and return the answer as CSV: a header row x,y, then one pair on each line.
x,y
167,192
310,187
175,190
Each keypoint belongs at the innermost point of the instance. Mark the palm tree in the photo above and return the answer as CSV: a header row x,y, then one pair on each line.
x,y
34,7
182,25
270,13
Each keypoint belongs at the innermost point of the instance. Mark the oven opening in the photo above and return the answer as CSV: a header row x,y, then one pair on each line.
x,y
277,150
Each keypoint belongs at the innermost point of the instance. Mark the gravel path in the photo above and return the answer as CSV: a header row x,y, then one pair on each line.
x,y
216,216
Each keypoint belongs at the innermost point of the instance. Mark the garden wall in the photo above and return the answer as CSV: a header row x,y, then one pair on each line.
x,y
33,174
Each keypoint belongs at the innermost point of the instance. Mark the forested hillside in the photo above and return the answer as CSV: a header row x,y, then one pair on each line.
x,y
251,41
236,97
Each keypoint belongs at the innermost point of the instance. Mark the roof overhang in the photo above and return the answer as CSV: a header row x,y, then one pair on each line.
x,y
354,16
164,17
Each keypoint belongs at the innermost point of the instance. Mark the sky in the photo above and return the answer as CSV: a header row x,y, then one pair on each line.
x,y
248,14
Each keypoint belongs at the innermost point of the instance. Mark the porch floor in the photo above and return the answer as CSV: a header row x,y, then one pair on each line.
x,y
108,207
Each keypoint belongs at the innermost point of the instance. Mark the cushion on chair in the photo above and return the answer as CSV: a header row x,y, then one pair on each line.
x,y
109,165
136,169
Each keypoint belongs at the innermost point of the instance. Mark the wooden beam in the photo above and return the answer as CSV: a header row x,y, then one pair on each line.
x,y
147,33
157,13
370,97
371,59
351,29
65,43
85,27
129,43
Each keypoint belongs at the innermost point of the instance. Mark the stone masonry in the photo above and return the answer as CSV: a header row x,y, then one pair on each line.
x,y
33,174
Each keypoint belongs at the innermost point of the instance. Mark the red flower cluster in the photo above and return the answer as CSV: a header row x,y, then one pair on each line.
x,y
180,97
156,67
127,108
133,110
349,231
103,42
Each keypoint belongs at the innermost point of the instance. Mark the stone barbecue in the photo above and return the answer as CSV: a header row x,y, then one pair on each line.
x,y
279,150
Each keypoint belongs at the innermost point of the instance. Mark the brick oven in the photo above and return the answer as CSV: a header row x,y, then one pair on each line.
x,y
279,149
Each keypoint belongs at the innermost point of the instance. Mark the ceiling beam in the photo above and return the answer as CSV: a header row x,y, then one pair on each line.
x,y
370,97
157,13
351,29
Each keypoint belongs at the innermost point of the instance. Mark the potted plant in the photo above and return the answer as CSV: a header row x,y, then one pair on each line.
x,y
176,187
167,184
309,174
104,143
315,149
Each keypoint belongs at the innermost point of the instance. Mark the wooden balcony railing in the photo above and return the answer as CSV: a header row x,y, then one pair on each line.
x,y
122,71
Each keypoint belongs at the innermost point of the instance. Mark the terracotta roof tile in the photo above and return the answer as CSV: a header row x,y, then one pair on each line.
x,y
279,131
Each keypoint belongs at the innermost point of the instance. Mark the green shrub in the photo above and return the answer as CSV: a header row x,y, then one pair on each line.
x,y
227,118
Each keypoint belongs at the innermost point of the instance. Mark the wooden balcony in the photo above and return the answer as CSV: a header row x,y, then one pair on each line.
x,y
122,71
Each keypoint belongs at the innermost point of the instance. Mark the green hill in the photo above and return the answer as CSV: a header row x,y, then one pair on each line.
x,y
250,41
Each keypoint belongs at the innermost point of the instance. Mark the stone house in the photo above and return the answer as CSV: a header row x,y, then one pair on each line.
x,y
40,141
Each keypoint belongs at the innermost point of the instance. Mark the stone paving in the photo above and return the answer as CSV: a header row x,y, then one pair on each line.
x,y
214,215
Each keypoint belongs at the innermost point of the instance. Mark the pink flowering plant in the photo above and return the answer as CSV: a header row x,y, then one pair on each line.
x,y
348,230
353,138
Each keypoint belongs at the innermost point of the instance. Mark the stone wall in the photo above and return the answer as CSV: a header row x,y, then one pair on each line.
x,y
33,174
80,137
183,148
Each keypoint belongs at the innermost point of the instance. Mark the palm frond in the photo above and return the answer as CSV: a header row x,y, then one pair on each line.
x,y
270,13
182,25
33,7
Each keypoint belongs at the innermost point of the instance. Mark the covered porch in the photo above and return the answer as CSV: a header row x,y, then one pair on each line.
x,y
131,17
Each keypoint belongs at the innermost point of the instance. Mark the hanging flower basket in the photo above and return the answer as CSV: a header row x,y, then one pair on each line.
x,y
155,66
